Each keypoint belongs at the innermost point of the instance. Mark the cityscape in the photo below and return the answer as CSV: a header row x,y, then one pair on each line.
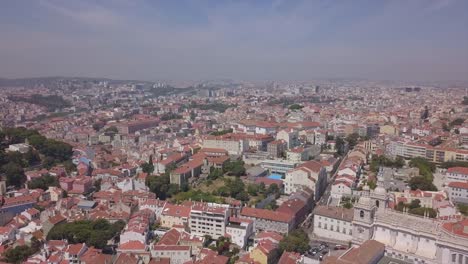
x,y
194,161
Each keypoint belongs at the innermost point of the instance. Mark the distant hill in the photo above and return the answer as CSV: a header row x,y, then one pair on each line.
x,y
29,82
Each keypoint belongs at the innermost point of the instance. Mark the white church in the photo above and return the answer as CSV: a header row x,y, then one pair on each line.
x,y
408,237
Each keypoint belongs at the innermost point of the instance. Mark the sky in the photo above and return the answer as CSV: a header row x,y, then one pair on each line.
x,y
239,39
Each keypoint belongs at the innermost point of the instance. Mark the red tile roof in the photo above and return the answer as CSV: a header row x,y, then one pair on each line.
x,y
459,228
176,210
461,185
458,170
266,214
289,258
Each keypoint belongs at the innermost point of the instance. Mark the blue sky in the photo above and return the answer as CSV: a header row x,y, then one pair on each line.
x,y
251,39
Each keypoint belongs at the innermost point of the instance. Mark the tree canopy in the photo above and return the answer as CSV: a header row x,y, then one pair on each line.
x,y
235,168
296,241
51,102
43,182
47,151
93,233
424,181
18,254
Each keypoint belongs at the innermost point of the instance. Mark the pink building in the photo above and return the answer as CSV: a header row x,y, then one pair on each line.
x,y
82,185
66,183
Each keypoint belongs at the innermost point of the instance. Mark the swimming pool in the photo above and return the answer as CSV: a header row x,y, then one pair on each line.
x,y
275,176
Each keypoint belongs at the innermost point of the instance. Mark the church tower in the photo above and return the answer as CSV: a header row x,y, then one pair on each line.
x,y
379,195
363,220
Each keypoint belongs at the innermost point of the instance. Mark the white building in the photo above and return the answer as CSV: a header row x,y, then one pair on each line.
x,y
320,138
278,165
177,254
341,187
21,147
457,174
154,205
310,175
137,229
240,229
333,223
290,136
299,154
233,146
7,233
458,192
209,219
407,237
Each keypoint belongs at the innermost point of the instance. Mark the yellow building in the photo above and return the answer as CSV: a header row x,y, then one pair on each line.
x,y
388,130
265,252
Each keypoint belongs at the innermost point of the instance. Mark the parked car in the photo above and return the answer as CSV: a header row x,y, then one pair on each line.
x,y
340,247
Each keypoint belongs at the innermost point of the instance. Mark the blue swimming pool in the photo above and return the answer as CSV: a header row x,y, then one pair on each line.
x,y
275,176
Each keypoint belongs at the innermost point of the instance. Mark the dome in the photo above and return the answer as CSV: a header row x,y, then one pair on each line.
x,y
364,200
380,190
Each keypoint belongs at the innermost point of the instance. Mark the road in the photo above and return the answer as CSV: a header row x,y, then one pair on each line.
x,y
326,195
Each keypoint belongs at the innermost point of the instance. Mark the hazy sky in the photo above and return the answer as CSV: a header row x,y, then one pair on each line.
x,y
254,40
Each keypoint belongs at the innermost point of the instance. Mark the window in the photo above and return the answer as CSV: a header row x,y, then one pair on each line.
x,y
454,258
361,214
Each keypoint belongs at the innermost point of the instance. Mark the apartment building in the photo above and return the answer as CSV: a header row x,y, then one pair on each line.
x,y
333,222
209,219
239,229
234,146
457,174
267,220
433,154
310,175
458,192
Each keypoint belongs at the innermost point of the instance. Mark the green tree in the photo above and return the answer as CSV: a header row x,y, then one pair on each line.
x,y
43,182
18,254
339,145
93,233
295,241
215,173
372,184
416,203
235,186
273,188
421,183
465,100
422,210
352,139
147,167
295,107
235,168
242,196
463,208
192,115
252,189
14,174
97,185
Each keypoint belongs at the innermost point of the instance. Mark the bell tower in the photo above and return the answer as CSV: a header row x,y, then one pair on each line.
x,y
379,195
363,220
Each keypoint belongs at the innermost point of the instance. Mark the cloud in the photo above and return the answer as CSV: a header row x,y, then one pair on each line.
x,y
237,39
88,14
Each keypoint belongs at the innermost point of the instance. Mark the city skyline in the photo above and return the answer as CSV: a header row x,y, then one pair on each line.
x,y
251,40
